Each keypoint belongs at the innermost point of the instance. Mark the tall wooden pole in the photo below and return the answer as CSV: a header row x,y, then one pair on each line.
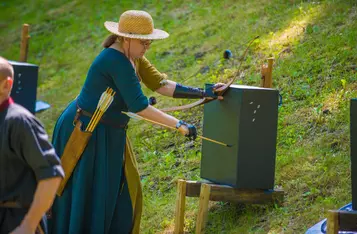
x,y
24,43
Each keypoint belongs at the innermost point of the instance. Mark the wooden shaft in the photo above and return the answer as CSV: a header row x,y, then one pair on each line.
x,y
96,110
154,122
96,117
167,126
180,207
332,222
214,141
24,43
95,121
99,111
92,119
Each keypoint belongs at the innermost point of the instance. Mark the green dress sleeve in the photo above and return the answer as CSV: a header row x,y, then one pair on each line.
x,y
128,85
150,76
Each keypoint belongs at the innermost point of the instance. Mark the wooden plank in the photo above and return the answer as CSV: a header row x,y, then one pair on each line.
x,y
230,194
332,222
347,220
203,208
24,43
180,207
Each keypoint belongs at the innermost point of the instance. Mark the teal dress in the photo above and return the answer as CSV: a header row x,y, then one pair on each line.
x,y
96,198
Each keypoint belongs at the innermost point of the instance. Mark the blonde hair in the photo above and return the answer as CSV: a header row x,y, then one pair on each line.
x,y
111,39
6,69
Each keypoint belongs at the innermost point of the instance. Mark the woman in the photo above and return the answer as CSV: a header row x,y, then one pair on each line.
x,y
103,194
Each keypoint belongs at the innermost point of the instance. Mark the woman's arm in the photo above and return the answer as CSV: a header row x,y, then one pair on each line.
x,y
167,89
156,115
157,81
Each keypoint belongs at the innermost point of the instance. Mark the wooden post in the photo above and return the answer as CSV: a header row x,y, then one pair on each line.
x,y
180,207
203,208
267,74
332,222
24,43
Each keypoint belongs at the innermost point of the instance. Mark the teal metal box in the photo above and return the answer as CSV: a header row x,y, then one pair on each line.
x,y
247,120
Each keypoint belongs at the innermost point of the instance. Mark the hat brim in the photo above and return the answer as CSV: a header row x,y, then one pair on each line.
x,y
157,34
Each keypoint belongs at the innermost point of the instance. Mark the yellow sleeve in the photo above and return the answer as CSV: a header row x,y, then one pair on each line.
x,y
150,76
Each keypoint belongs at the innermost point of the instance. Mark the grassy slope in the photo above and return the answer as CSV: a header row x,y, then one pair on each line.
x,y
315,46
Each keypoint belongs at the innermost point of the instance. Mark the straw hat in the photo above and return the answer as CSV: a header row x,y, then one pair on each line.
x,y
135,24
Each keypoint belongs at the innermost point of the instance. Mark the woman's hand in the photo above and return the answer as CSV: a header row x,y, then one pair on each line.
x,y
218,87
188,130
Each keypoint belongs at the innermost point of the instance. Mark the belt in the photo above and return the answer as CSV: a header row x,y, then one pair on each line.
x,y
10,204
13,204
80,112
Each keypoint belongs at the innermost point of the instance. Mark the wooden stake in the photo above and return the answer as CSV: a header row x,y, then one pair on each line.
x,y
203,208
267,74
24,43
180,207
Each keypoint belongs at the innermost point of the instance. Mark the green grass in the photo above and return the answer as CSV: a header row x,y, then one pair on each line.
x,y
315,47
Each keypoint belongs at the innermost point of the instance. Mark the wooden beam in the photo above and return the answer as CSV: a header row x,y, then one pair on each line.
x,y
347,220
230,194
332,222
203,208
24,43
180,207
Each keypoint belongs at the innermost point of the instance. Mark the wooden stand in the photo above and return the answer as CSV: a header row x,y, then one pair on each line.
x,y
215,192
338,220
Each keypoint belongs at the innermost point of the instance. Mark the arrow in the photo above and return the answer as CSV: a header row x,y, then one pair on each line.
x,y
135,116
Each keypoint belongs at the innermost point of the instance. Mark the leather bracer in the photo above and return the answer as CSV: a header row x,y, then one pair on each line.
x,y
188,92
